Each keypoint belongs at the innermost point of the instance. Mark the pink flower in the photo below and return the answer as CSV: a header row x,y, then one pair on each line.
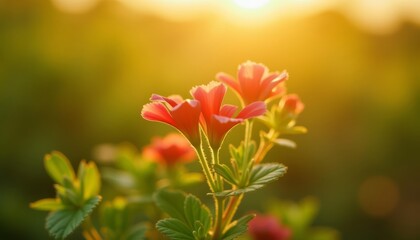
x,y
292,104
216,119
267,227
169,150
255,82
173,110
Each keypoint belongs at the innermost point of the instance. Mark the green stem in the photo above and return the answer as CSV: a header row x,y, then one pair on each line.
x,y
235,201
218,223
218,203
206,169
265,146
231,209
214,184
248,135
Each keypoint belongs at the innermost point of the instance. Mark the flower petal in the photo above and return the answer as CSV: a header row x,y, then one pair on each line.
x,y
293,104
171,100
186,116
254,109
228,110
157,112
230,81
249,76
210,97
220,127
171,149
270,84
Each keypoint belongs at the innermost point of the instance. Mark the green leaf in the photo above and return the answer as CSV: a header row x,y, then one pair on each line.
x,y
114,217
197,215
90,180
265,173
58,167
234,152
242,155
71,193
226,173
323,233
171,202
63,222
297,215
261,174
138,232
308,208
285,142
174,229
47,204
238,227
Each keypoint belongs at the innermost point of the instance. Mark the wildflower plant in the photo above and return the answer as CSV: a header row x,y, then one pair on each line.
x,y
151,181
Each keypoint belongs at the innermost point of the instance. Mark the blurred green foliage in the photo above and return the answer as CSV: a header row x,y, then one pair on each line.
x,y
69,82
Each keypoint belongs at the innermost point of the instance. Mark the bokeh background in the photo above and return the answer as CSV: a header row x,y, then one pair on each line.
x,y
75,73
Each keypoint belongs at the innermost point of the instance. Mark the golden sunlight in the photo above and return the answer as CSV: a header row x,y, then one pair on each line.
x,y
252,4
174,10
75,6
376,16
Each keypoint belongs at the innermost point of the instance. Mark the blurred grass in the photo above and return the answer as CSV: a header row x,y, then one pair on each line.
x,y
69,82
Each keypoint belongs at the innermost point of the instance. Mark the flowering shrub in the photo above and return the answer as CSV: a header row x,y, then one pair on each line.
x,y
147,201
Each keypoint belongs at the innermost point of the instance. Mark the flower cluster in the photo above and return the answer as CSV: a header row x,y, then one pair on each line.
x,y
149,180
255,82
205,109
255,86
205,120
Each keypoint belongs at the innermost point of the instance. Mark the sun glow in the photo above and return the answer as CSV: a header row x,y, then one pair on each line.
x,y
252,4
377,16
75,6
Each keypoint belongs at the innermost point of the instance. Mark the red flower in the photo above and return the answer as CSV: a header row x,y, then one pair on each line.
x,y
267,227
255,82
173,110
216,119
292,104
171,149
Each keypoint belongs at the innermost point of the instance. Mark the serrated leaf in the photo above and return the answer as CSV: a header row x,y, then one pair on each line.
x,y
171,202
90,180
58,167
174,229
261,174
197,214
265,173
237,228
63,222
226,173
47,204
285,142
